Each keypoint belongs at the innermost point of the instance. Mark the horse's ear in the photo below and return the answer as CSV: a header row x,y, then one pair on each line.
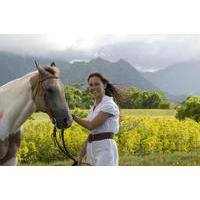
x,y
53,64
41,70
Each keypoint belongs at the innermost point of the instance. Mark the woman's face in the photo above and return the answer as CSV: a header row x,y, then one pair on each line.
x,y
96,87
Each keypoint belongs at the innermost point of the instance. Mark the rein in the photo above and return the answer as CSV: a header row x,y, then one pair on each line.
x,y
62,147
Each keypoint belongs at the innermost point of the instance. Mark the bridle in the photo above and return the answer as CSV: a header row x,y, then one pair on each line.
x,y
62,147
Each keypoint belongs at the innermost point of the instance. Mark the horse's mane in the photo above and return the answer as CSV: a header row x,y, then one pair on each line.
x,y
52,70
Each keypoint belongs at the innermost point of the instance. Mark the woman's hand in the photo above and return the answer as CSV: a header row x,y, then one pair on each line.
x,y
78,161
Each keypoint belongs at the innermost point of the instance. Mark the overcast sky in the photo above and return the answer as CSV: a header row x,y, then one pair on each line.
x,y
145,52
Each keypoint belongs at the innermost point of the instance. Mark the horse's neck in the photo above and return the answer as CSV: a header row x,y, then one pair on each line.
x,y
16,105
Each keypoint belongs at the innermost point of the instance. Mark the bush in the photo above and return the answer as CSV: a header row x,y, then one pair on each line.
x,y
143,136
137,136
190,108
38,145
165,105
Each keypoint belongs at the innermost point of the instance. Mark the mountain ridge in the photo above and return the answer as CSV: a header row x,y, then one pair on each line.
x,y
178,79
120,72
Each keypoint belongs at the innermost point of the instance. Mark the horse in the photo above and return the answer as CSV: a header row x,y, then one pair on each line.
x,y
38,91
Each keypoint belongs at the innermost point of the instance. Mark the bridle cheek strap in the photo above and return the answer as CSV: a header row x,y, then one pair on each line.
x,y
41,81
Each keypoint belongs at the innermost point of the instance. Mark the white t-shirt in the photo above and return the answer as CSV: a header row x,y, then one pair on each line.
x,y
112,123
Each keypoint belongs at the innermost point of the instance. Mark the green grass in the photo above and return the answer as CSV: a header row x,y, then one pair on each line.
x,y
125,112
56,163
170,159
149,112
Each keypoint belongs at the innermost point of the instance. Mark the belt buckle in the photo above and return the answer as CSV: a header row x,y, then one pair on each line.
x,y
91,138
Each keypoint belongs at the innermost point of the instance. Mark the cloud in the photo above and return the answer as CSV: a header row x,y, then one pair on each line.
x,y
151,52
145,52
27,44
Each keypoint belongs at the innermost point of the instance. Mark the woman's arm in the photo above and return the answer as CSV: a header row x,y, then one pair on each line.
x,y
82,153
97,121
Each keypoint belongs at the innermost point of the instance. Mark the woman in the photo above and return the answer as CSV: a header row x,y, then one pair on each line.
x,y
103,122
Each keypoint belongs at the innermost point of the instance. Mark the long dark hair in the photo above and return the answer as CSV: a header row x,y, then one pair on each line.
x,y
110,90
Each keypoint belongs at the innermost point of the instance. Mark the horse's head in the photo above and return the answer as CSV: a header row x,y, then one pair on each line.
x,y
49,96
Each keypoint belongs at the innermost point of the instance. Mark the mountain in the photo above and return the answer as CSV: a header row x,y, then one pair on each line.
x,y
13,66
178,79
121,72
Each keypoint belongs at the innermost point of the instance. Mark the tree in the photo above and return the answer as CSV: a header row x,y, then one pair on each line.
x,y
144,99
78,97
73,96
129,100
150,99
133,98
189,108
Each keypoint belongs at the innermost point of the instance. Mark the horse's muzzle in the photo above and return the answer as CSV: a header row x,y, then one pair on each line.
x,y
67,122
61,124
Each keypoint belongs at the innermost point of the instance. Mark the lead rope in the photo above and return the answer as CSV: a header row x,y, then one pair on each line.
x,y
63,148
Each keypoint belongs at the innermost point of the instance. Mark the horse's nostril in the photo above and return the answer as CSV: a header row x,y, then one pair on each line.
x,y
65,120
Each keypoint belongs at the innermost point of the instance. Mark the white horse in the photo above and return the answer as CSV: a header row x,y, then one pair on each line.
x,y
42,91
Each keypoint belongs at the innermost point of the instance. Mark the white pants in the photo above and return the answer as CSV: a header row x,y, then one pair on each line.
x,y
102,153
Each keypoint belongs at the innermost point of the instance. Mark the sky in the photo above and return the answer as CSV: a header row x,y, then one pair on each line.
x,y
61,42
145,52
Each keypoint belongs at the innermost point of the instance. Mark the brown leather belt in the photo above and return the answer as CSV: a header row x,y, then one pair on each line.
x,y
100,136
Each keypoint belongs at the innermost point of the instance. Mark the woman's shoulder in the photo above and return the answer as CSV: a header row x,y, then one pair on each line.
x,y
109,101
110,106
